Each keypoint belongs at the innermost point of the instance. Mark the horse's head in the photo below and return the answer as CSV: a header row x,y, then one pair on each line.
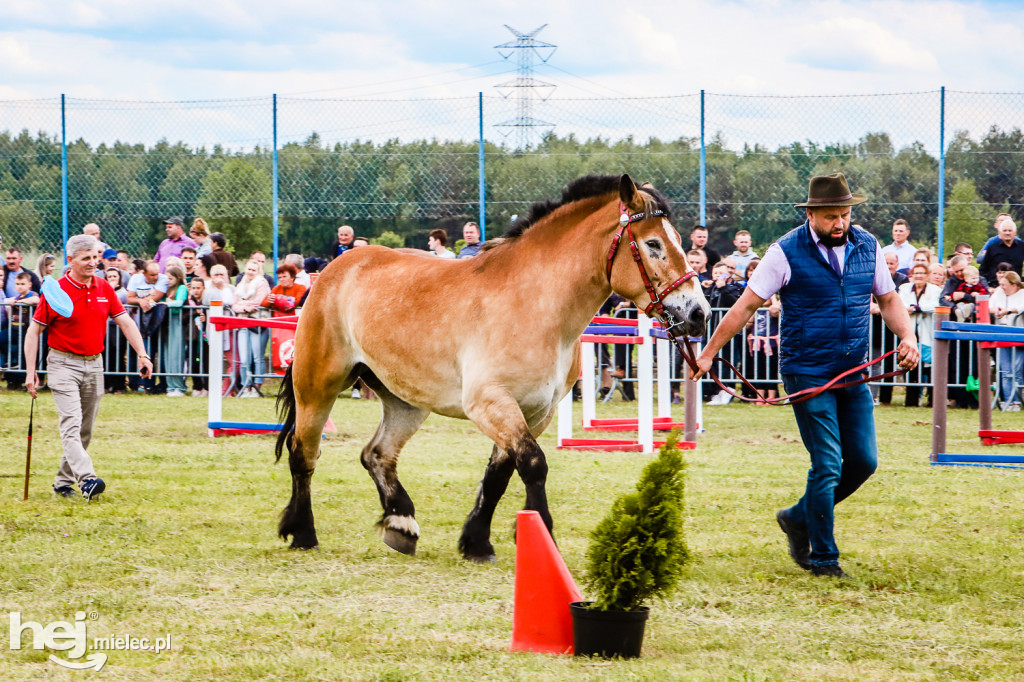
x,y
653,272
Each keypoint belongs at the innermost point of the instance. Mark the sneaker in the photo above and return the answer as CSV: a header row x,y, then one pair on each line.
x,y
799,541
175,394
249,392
877,402
91,487
1014,407
830,571
64,491
720,398
1004,406
355,393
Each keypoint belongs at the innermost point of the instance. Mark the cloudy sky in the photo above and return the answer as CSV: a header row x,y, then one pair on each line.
x,y
217,49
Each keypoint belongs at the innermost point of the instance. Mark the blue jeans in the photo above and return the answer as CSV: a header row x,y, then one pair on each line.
x,y
251,345
1011,365
838,430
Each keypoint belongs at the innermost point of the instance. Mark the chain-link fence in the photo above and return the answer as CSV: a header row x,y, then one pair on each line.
x,y
408,166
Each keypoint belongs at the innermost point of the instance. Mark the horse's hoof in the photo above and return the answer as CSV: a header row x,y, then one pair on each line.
x,y
302,548
486,559
399,541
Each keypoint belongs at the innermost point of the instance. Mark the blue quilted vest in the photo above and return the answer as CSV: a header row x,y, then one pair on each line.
x,y
826,319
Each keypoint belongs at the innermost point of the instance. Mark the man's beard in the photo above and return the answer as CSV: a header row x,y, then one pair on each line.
x,y
830,241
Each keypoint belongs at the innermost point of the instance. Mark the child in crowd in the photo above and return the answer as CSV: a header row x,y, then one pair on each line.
x,y
198,363
970,287
174,365
114,381
20,312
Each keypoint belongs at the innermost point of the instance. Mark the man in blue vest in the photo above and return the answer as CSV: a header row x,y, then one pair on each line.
x,y
825,272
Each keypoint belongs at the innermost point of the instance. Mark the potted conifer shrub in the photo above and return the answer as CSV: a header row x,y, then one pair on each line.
x,y
636,553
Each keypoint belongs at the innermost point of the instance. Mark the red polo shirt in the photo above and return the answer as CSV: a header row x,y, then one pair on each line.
x,y
82,333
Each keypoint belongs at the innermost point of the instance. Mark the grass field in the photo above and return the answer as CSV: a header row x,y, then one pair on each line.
x,y
184,543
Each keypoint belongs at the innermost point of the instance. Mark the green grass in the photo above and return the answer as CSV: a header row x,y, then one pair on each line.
x,y
184,542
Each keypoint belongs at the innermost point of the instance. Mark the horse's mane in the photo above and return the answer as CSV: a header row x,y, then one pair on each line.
x,y
587,187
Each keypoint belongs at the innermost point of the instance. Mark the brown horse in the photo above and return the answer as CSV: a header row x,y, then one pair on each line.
x,y
503,356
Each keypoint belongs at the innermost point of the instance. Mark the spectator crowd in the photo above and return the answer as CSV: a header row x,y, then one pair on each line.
x,y
169,295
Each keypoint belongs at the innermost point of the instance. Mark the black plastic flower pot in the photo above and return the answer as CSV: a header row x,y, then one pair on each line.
x,y
608,634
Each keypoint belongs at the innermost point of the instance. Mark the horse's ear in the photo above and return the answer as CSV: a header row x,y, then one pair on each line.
x,y
627,191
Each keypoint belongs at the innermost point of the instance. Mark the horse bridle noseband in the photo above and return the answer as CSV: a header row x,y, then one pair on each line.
x,y
657,306
669,322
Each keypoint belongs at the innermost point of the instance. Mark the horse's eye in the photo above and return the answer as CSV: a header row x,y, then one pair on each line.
x,y
653,244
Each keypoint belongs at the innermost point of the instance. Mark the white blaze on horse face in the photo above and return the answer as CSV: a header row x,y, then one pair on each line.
x,y
678,298
673,238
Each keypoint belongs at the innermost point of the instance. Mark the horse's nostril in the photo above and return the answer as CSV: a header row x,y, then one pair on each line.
x,y
697,316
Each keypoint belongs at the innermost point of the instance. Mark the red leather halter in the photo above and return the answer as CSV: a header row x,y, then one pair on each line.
x,y
626,219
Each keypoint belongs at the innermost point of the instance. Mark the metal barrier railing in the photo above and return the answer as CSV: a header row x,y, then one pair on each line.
x,y
760,368
179,330
177,344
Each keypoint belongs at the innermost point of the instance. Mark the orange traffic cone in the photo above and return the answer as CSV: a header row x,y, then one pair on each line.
x,y
544,588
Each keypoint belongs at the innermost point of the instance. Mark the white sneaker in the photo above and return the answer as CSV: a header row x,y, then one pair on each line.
x,y
249,392
1014,407
175,394
355,393
1004,406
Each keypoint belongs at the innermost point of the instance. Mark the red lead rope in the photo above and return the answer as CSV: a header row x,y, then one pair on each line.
x,y
792,398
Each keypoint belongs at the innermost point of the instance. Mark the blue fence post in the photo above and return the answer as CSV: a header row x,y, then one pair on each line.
x,y
274,181
942,170
703,167
482,185
63,184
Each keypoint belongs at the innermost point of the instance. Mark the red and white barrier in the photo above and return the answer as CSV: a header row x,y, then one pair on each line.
x,y
645,423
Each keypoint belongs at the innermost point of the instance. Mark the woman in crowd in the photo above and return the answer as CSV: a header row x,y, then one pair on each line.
x,y
937,275
200,233
174,364
1006,305
116,345
922,256
250,293
45,266
284,297
219,291
921,296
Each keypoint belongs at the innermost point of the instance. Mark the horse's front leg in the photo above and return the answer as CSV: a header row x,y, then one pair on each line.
x,y
498,415
475,543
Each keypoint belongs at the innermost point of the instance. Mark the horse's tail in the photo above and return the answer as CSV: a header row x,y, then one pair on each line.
x,y
285,414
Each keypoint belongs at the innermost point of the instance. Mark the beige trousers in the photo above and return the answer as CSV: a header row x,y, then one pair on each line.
x,y
77,386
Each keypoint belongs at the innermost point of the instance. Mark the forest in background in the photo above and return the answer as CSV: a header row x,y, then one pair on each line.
x,y
411,187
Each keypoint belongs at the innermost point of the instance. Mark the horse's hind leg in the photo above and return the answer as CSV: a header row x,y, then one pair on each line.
x,y
380,458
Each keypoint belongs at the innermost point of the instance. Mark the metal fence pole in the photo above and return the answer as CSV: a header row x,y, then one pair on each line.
x,y
703,167
274,175
63,183
942,169
482,185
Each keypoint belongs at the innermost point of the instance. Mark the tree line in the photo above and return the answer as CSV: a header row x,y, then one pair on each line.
x,y
409,188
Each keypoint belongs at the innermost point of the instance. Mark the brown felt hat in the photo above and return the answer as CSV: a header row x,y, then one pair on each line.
x,y
830,190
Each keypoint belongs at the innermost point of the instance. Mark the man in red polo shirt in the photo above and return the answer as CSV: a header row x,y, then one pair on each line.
x,y
75,360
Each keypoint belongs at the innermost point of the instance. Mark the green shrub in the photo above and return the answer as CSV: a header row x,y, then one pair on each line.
x,y
389,239
638,551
